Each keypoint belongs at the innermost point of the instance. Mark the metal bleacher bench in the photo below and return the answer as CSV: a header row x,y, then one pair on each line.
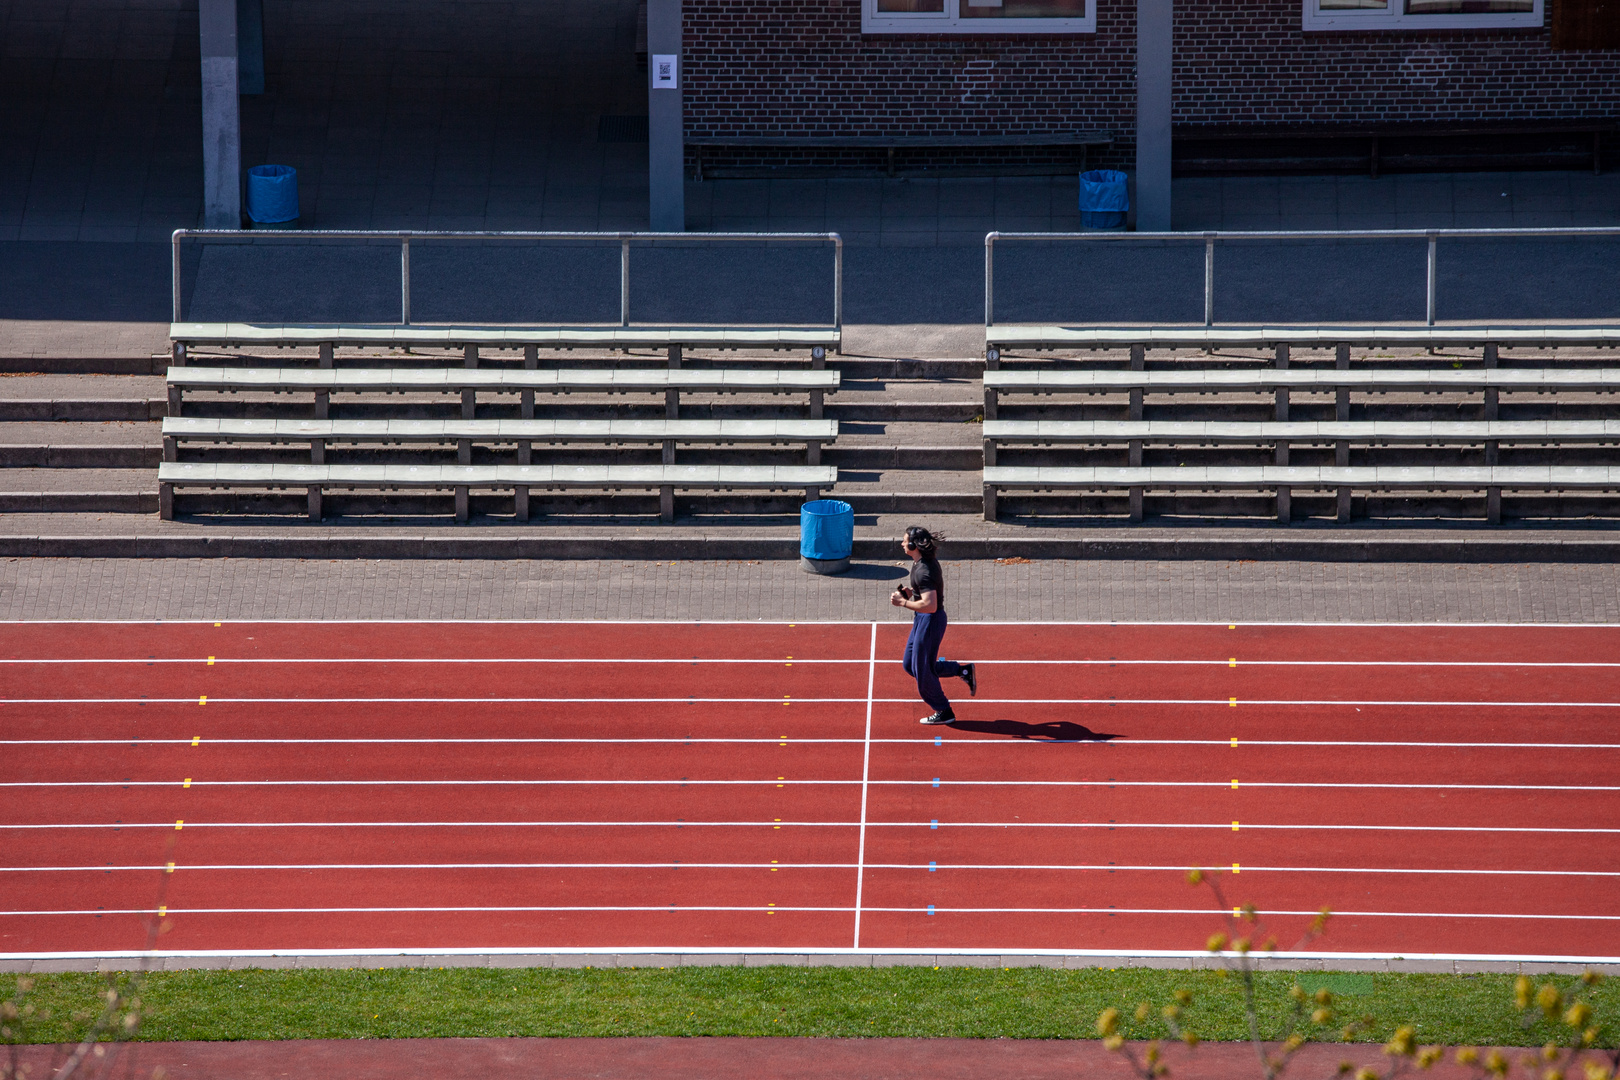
x,y
893,145
531,339
670,433
1490,338
1283,478
1491,381
520,479
1135,433
470,381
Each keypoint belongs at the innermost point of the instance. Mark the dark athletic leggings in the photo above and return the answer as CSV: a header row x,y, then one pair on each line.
x,y
922,661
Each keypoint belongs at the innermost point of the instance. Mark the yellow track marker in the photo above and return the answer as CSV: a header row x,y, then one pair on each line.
x,y
773,866
1234,785
210,661
781,778
195,739
187,783
216,624
162,910
1234,741
1233,626
203,700
1232,702
169,869
1232,662
179,824
790,664
1234,826
1237,913
770,912
776,826
1236,869
785,698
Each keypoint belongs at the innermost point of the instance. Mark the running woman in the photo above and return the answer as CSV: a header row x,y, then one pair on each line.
x,y
925,597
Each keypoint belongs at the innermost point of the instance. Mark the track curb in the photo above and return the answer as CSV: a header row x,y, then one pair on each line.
x,y
376,959
438,545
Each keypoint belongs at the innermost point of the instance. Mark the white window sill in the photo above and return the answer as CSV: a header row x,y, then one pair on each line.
x,y
946,26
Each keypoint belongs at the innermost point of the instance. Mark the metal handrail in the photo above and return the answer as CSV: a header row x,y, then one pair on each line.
x,y
625,239
1433,236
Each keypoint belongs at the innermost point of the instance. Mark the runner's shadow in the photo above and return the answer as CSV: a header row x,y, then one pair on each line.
x,y
874,571
1052,731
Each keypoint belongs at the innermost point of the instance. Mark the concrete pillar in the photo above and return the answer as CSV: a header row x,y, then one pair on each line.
x,y
1153,72
666,146
221,118
250,46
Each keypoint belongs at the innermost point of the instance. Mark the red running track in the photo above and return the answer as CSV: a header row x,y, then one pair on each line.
x,y
1448,791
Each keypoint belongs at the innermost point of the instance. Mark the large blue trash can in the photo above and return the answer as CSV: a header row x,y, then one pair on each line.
x,y
272,194
826,536
1103,199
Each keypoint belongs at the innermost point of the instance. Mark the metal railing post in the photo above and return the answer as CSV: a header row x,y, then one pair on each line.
x,y
838,282
175,272
624,280
989,279
405,281
1434,243
1209,279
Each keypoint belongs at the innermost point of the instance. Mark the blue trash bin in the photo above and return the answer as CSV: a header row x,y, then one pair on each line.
x,y
826,536
1103,199
272,194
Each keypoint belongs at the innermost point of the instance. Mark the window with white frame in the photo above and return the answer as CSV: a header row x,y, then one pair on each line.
x,y
980,16
1420,14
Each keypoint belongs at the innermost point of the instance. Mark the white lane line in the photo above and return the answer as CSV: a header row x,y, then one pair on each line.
x,y
866,773
1117,742
754,908
237,624
696,661
936,867
863,782
1222,826
694,700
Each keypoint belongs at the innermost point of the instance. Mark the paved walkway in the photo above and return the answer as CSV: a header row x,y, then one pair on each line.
x,y
1047,590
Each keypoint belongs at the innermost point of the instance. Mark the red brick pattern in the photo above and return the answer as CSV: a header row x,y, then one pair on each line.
x,y
803,67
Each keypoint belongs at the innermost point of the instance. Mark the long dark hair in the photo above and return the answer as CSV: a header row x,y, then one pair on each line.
x,y
921,540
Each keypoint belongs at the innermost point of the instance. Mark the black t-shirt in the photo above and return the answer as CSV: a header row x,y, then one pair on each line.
x,y
926,574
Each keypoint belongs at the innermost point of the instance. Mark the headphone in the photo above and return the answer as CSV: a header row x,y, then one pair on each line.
x,y
920,539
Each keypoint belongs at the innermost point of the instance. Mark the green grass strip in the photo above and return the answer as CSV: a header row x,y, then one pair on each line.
x,y
1023,1003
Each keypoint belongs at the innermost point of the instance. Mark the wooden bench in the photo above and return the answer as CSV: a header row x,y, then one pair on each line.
x,y
519,478
1411,146
531,339
469,382
670,433
1283,479
892,145
1281,381
1138,338
1134,433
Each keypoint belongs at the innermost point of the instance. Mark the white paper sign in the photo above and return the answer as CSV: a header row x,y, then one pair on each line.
x,y
666,71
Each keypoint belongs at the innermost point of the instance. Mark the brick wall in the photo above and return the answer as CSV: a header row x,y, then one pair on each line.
x,y
803,67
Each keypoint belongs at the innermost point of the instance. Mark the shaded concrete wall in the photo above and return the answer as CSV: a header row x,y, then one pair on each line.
x,y
404,113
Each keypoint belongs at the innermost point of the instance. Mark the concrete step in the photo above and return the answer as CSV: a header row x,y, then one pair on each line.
x,y
69,456
82,409
891,456
78,502
134,491
85,535
85,365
